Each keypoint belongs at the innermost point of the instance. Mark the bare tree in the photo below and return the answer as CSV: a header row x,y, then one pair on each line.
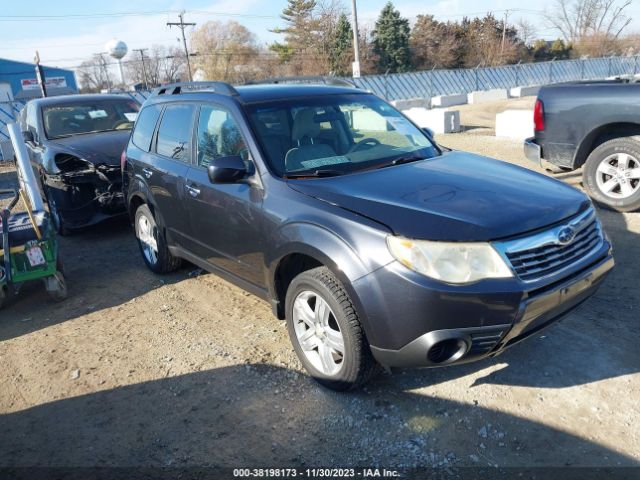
x,y
226,51
526,31
434,44
592,26
161,65
92,75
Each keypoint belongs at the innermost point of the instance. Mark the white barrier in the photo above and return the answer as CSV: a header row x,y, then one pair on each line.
x,y
514,124
363,120
518,92
449,100
411,103
487,96
440,120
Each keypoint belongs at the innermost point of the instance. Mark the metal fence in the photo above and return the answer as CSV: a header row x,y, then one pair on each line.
x,y
427,84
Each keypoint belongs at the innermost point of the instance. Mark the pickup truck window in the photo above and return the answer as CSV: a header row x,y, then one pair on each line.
x,y
343,133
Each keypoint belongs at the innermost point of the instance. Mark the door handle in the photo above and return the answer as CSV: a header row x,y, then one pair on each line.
x,y
194,192
147,172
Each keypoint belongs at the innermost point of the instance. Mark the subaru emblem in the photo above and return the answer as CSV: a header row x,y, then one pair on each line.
x,y
566,235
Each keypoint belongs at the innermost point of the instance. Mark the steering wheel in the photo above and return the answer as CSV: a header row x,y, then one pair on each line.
x,y
121,125
365,142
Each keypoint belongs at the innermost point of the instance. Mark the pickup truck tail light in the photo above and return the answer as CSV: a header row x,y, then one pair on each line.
x,y
538,116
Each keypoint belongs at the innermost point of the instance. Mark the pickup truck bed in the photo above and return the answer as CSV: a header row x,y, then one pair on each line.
x,y
595,125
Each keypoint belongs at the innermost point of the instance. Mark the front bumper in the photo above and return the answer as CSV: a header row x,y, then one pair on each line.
x,y
86,198
454,328
532,151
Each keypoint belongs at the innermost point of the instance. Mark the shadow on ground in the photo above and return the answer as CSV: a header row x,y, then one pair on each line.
x,y
235,416
103,268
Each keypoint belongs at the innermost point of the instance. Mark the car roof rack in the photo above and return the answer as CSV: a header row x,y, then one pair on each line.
x,y
196,87
325,80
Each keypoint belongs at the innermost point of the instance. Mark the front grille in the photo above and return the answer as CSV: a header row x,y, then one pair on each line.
x,y
543,255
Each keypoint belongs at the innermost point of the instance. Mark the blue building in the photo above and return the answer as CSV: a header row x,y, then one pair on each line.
x,y
18,81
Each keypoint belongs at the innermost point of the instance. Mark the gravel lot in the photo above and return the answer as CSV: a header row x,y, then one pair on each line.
x,y
140,370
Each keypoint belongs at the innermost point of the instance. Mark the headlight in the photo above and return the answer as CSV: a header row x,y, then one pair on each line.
x,y
449,262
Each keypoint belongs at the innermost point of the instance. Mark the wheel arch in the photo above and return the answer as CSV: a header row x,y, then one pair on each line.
x,y
600,135
312,246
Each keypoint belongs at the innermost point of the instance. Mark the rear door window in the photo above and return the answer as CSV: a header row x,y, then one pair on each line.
x,y
174,133
146,124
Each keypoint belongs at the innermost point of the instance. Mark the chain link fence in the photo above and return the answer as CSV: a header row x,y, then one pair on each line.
x,y
427,84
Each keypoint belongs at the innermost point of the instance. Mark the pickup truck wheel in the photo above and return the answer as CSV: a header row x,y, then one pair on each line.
x,y
153,245
611,174
326,333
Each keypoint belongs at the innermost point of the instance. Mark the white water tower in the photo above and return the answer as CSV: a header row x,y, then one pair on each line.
x,y
117,49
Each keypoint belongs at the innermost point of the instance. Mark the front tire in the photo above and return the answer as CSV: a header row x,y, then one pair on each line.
x,y
55,215
153,245
611,174
326,332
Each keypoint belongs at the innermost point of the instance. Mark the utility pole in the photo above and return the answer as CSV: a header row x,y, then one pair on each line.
x,y
356,46
182,25
40,75
504,33
144,69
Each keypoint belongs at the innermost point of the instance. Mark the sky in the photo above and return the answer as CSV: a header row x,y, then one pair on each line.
x,y
66,33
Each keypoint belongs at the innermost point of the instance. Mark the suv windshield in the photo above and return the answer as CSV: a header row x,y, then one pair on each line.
x,y
67,119
336,134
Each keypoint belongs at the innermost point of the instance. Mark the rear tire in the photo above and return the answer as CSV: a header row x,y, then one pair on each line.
x,y
611,174
331,324
153,245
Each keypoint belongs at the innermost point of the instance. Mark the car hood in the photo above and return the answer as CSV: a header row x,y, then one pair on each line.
x,y
457,196
103,147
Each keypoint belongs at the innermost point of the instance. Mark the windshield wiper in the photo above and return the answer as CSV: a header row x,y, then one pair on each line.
x,y
325,172
404,159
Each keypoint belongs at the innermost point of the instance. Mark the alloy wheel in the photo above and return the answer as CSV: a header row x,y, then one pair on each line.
x,y
618,175
318,333
146,234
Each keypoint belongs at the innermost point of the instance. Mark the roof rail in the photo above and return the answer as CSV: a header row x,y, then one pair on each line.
x,y
325,80
195,87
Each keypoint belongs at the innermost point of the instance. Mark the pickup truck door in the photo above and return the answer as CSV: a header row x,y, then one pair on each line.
x,y
226,226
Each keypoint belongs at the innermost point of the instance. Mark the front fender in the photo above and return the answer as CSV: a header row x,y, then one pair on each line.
x,y
348,258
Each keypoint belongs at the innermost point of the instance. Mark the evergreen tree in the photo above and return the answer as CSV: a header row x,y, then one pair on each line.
x,y
341,48
302,27
391,41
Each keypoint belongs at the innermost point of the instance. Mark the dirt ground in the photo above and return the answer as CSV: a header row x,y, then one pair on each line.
x,y
135,369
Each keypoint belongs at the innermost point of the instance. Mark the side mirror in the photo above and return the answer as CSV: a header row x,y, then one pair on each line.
x,y
429,133
28,136
230,169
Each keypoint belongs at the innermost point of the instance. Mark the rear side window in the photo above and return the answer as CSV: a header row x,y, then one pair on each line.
x,y
174,134
146,124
